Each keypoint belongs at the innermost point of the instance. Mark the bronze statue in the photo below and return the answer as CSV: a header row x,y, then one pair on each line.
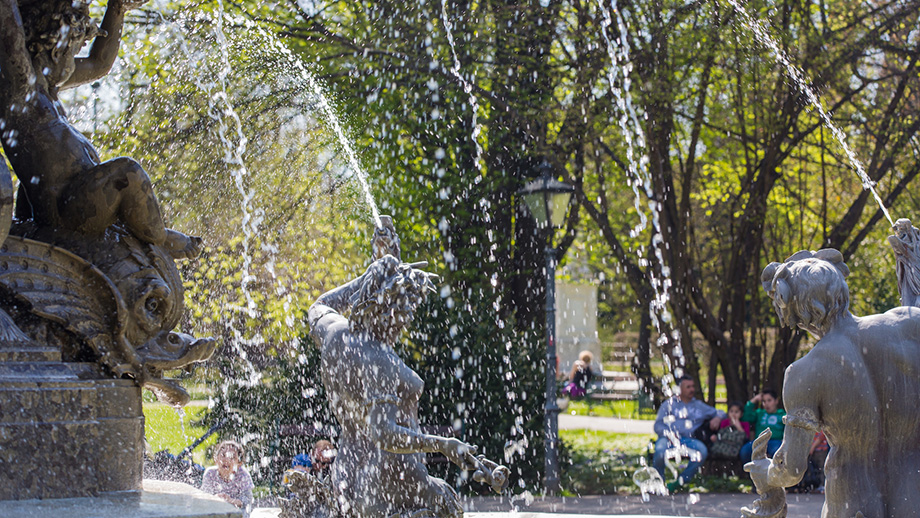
x,y
63,183
906,245
89,289
118,298
858,385
379,470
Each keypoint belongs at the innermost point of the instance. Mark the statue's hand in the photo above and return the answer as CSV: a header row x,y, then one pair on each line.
x,y
772,501
459,452
383,267
386,241
759,470
495,475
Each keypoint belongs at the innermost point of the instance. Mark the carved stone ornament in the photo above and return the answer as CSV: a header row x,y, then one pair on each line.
x,y
89,290
88,264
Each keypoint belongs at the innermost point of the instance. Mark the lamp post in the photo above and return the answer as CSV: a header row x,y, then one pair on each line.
x,y
548,201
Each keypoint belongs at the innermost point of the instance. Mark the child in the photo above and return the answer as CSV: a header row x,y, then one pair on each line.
x,y
733,433
229,479
770,416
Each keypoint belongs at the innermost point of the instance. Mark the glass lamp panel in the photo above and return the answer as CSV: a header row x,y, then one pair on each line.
x,y
559,203
537,205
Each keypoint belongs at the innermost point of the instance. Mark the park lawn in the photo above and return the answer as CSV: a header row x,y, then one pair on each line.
x,y
165,430
624,409
602,463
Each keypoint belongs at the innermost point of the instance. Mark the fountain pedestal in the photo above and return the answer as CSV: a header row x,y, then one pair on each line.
x,y
65,430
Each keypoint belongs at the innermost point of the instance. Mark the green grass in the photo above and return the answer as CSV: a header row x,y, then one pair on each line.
x,y
624,409
164,430
602,463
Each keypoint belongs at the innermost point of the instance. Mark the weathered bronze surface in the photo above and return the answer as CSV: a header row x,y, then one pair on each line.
x,y
858,384
89,289
379,470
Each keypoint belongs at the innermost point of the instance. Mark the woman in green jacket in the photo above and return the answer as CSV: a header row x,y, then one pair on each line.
x,y
769,415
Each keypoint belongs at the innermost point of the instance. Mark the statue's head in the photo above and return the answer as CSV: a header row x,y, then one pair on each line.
x,y
905,241
390,293
55,32
809,289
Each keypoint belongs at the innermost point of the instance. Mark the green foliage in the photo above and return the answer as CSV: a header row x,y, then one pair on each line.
x,y
481,381
166,429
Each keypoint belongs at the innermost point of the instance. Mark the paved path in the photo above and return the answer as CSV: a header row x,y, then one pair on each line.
x,y
715,505
605,424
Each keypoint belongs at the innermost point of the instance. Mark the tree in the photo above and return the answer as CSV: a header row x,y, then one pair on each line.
x,y
731,143
738,169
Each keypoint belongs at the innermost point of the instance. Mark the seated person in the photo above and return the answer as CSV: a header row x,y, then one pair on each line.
x,y
309,489
229,479
733,433
678,419
302,462
322,458
769,416
580,376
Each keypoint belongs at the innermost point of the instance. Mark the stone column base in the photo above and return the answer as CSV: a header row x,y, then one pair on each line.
x,y
63,435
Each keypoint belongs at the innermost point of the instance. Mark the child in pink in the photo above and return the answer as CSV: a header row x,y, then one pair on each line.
x,y
732,435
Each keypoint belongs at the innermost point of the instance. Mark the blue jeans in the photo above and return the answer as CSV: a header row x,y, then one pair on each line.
x,y
748,449
662,445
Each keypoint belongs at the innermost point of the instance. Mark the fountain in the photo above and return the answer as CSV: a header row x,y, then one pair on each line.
x,y
89,303
89,288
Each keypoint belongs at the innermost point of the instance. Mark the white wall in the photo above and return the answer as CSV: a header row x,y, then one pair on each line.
x,y
576,324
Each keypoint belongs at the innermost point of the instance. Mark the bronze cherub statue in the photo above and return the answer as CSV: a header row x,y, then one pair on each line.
x,y
89,263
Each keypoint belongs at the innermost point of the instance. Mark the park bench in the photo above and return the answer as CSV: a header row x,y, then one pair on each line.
x,y
619,386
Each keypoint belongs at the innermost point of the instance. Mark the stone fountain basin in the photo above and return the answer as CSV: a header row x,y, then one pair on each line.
x,y
712,505
158,499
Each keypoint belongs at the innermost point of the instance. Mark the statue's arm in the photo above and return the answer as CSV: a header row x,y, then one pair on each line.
x,y
390,436
800,397
336,300
16,72
105,46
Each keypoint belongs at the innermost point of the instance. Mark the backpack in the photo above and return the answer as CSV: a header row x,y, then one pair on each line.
x,y
729,443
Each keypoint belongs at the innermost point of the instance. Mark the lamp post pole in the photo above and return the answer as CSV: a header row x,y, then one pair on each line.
x,y
548,200
551,407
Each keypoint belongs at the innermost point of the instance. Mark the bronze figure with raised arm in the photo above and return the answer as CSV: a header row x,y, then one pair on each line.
x,y
55,35
858,384
379,470
64,186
